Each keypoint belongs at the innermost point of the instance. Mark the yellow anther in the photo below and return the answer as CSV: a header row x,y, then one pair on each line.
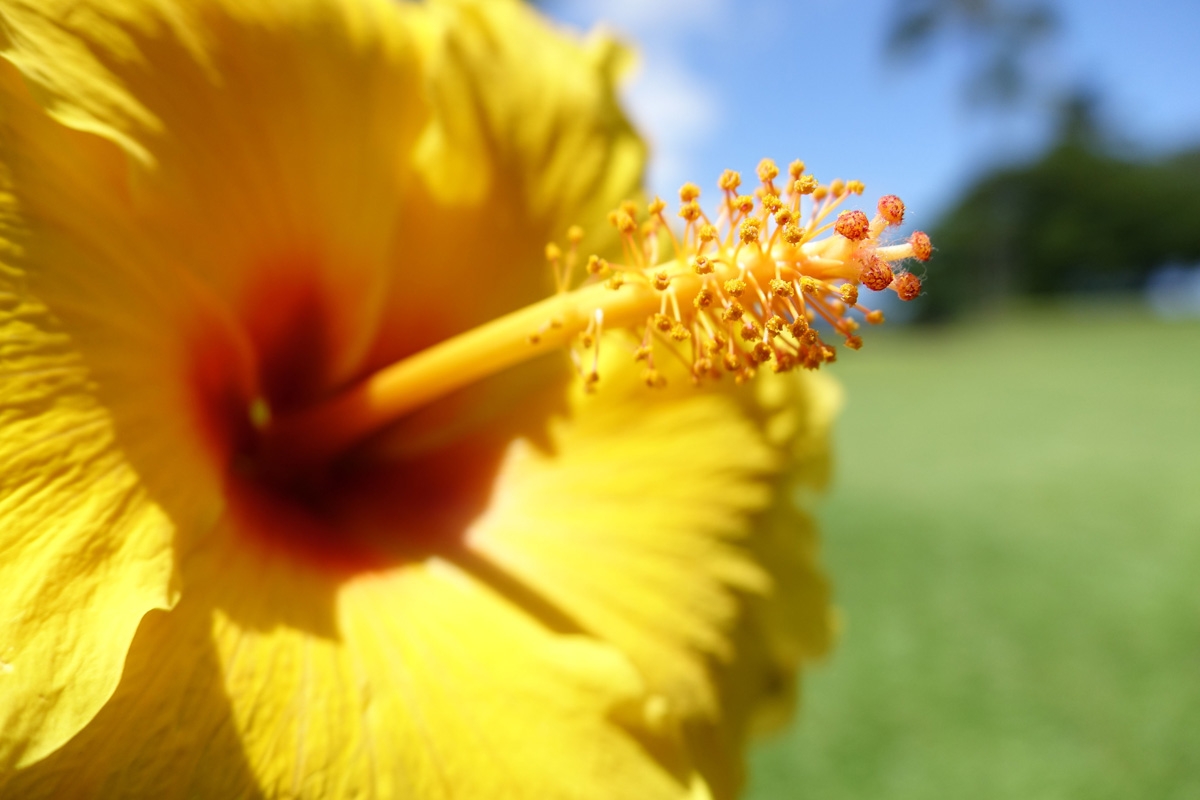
x,y
775,325
750,331
656,206
704,298
761,352
625,223
729,180
707,233
662,280
784,217
749,231
771,202
652,379
680,333
690,211
805,184
855,187
615,281
663,322
630,208
820,193
767,171
795,169
553,252
734,287
792,234
641,354
837,187
703,266
849,294
875,317
688,192
732,361
733,312
798,327
810,285
783,362
575,235
744,203
854,342
781,288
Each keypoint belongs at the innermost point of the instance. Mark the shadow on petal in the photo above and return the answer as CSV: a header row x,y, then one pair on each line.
x,y
167,732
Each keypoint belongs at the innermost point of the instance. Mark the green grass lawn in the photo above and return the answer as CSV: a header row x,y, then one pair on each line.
x,y
1014,538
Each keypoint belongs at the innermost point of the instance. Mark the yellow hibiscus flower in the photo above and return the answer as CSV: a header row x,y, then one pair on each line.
x,y
290,509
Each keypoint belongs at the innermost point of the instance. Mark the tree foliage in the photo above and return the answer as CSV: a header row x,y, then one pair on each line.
x,y
1003,38
1075,220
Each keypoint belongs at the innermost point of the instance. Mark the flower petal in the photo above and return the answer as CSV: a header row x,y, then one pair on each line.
x,y
269,146
417,683
795,617
523,107
86,541
526,138
84,553
292,180
643,525
792,622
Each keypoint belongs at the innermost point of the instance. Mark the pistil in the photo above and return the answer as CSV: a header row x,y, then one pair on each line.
x,y
731,301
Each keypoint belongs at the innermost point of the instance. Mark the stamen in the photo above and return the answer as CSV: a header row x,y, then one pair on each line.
x,y
758,243
908,286
891,208
854,225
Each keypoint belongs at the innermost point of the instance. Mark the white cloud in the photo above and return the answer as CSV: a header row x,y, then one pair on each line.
x,y
678,112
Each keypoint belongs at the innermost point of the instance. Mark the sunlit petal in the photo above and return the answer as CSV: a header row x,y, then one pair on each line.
x,y
84,552
418,682
638,523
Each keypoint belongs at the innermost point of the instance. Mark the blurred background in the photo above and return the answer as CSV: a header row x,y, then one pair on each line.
x,y
1015,528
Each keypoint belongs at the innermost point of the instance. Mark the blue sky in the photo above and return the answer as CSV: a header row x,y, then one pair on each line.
x,y
722,83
